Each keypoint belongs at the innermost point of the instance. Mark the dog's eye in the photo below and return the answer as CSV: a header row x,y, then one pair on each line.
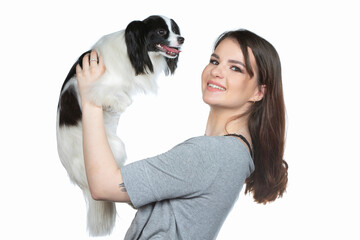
x,y
162,32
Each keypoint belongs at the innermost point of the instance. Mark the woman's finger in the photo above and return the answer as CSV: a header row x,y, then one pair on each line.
x,y
101,61
78,69
93,58
85,61
101,64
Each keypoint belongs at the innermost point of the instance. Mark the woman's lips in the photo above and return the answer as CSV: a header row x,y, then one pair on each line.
x,y
215,87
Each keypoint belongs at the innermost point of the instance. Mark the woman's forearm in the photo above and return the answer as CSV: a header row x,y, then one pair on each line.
x,y
103,174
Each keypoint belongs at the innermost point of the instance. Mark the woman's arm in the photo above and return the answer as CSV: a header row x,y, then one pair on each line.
x,y
103,174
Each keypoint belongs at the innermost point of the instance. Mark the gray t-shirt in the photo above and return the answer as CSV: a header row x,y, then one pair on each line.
x,y
187,192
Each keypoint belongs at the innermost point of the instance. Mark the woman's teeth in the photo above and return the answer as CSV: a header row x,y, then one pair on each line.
x,y
216,87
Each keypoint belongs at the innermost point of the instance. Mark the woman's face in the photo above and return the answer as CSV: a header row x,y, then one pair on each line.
x,y
225,81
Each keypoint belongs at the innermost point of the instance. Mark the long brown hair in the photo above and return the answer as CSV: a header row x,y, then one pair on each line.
x,y
266,118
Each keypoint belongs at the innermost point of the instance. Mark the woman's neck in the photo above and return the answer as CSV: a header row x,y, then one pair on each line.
x,y
219,123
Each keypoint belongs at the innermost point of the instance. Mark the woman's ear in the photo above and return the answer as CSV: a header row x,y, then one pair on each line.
x,y
259,94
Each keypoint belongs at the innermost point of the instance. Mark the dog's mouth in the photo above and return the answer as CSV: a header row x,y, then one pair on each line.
x,y
170,51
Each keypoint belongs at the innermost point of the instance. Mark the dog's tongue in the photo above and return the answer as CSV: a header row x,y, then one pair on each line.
x,y
170,49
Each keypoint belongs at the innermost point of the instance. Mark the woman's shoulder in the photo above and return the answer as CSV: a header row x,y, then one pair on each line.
x,y
217,140
208,139
223,151
222,144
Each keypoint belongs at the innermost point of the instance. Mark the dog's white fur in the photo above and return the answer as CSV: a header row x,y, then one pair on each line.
x,y
114,91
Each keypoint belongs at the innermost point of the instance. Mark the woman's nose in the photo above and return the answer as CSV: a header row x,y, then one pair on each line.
x,y
217,71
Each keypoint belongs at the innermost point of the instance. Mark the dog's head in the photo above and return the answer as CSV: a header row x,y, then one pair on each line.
x,y
154,34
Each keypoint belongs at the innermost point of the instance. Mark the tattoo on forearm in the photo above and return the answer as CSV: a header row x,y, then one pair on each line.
x,y
122,187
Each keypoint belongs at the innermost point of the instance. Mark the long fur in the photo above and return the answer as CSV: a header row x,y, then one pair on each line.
x,y
133,61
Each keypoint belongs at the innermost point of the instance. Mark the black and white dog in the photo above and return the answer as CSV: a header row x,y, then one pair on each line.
x,y
134,58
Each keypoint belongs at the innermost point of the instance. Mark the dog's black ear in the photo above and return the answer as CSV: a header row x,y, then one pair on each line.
x,y
135,38
172,65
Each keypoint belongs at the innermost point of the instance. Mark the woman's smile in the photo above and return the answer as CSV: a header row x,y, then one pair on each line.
x,y
215,87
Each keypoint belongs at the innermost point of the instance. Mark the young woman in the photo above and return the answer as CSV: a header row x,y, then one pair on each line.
x,y
187,192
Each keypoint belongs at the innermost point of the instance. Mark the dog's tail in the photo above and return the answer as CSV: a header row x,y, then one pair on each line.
x,y
101,216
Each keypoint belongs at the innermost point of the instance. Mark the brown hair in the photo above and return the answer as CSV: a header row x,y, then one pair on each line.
x,y
266,118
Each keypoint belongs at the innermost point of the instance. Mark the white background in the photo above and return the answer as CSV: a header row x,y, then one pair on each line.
x,y
318,43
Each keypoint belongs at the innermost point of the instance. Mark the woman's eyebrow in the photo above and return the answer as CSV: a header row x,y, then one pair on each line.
x,y
230,61
237,62
215,55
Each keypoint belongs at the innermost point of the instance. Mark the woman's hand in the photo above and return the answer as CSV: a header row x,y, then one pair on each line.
x,y
92,69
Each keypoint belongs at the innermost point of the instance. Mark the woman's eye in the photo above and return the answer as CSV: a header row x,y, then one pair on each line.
x,y
236,69
213,61
162,32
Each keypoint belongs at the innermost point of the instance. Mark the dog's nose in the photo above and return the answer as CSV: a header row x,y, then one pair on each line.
x,y
180,40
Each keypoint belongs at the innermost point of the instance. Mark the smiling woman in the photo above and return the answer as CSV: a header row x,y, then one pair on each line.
x,y
247,68
202,177
225,81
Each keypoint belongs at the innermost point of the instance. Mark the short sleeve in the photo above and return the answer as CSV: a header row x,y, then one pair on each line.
x,y
183,172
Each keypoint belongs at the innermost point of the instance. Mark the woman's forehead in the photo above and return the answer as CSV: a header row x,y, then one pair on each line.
x,y
229,47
